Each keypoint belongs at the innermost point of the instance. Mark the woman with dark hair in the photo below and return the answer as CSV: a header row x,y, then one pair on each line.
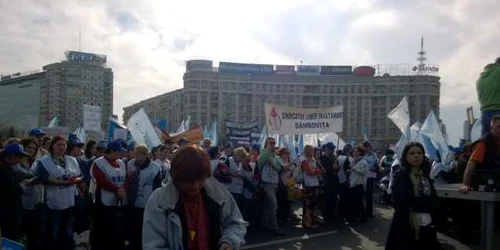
x,y
60,174
90,149
193,211
284,209
415,203
33,219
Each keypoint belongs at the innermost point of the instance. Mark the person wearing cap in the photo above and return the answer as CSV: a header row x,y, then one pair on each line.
x,y
371,176
130,154
110,176
38,135
74,149
331,181
144,177
33,218
11,190
59,174
193,211
228,151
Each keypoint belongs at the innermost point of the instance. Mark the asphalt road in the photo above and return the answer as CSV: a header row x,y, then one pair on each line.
x,y
336,235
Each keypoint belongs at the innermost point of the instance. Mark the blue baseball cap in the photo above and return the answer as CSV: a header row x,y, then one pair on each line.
x,y
131,146
330,146
115,145
102,145
75,142
36,132
14,149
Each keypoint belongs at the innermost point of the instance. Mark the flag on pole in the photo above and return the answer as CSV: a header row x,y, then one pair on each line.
x,y
365,134
80,134
263,136
401,116
54,122
212,134
432,130
300,145
142,130
113,126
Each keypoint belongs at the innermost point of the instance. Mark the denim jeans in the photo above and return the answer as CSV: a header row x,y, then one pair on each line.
x,y
486,119
60,228
269,207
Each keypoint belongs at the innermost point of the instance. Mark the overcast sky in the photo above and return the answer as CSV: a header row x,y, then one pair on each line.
x,y
148,41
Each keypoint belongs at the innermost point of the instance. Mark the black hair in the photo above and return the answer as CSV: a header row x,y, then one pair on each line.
x,y
267,141
426,166
88,148
213,152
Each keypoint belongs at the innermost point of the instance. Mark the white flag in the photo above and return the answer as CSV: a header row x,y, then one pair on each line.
x,y
142,130
80,133
54,122
432,130
401,116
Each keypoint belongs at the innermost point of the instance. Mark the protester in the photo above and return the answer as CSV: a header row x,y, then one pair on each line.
x,y
357,185
33,219
109,173
385,171
37,135
484,157
228,151
11,190
160,155
144,177
83,199
193,211
206,144
90,151
311,184
331,181
250,207
415,202
269,170
488,93
344,161
371,176
60,174
254,152
236,185
130,152
283,212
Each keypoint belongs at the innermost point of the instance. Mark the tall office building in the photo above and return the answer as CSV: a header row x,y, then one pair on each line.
x,y
59,90
237,92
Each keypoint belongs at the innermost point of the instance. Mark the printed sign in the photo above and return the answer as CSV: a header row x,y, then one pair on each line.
x,y
247,69
199,65
336,70
285,120
242,134
92,117
308,70
285,70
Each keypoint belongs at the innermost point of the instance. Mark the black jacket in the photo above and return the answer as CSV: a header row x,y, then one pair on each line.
x,y
401,236
10,191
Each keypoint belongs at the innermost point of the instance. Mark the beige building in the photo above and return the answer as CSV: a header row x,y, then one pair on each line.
x,y
61,90
237,92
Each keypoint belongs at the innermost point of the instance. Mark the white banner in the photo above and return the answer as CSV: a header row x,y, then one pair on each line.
x,y
92,117
142,130
284,120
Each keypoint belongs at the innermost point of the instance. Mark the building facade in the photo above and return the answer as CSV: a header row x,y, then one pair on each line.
x,y
237,92
61,90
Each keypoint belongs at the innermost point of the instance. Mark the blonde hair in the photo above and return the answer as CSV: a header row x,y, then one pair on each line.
x,y
143,149
308,148
241,151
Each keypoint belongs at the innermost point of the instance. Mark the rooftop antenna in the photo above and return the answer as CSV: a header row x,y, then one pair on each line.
x,y
421,59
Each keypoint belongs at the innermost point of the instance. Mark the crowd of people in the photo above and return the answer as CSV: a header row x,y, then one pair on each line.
x,y
62,193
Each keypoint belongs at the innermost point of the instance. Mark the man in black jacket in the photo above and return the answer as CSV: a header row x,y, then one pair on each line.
x,y
329,162
10,191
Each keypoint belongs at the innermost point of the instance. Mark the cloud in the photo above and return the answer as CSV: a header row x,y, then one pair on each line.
x,y
147,42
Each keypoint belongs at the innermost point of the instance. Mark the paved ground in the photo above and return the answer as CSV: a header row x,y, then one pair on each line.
x,y
336,235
